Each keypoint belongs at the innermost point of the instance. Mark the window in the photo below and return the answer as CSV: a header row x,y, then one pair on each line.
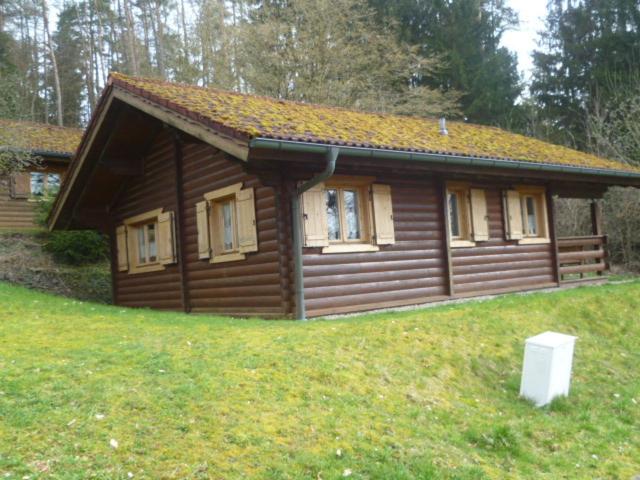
x,y
37,183
43,183
226,222
343,214
466,212
147,245
348,214
526,215
146,242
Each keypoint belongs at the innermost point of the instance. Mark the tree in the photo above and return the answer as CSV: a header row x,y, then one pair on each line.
x,y
465,35
586,45
303,50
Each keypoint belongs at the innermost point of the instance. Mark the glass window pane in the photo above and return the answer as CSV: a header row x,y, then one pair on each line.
x,y
142,246
454,215
53,182
227,221
532,221
152,245
352,214
37,183
333,214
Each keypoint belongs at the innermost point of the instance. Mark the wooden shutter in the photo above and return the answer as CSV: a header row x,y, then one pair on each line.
x,y
512,215
21,185
314,217
121,247
383,214
166,238
479,218
202,220
246,212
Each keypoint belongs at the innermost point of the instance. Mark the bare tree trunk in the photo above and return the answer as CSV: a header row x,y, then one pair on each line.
x,y
158,32
130,39
54,63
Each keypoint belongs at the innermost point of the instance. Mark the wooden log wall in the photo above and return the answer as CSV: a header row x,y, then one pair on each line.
x,y
140,194
500,265
246,287
20,213
411,271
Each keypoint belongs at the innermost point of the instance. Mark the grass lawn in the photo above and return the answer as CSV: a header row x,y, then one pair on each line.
x,y
412,395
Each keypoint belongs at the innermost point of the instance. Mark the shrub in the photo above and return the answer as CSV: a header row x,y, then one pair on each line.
x,y
74,247
77,247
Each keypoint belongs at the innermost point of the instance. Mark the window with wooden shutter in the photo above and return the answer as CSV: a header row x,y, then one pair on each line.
x,y
166,239
526,218
314,217
458,215
513,215
383,214
121,248
21,185
150,241
227,227
202,220
247,231
479,218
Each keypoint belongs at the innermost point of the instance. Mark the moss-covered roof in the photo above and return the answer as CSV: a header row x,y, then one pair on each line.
x,y
251,116
39,137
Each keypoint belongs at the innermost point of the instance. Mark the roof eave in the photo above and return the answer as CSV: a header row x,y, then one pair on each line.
x,y
320,148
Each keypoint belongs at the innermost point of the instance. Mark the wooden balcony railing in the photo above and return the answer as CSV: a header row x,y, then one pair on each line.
x,y
582,258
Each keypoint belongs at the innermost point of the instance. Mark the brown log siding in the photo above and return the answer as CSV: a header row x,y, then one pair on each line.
x,y
409,272
246,287
499,264
412,271
160,289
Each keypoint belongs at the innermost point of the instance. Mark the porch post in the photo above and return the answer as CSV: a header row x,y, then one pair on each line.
x,y
554,237
596,217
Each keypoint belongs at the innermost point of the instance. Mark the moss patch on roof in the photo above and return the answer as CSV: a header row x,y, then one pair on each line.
x,y
39,137
252,116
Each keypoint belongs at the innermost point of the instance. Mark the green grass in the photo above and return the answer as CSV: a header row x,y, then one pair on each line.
x,y
412,395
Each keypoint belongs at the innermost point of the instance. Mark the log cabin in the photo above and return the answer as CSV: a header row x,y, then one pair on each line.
x,y
52,147
251,206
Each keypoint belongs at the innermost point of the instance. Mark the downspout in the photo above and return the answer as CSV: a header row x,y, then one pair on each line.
x,y
331,156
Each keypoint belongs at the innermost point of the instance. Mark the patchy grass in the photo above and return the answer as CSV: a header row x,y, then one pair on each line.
x,y
412,395
23,261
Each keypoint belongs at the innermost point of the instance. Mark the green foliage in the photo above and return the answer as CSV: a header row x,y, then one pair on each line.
x,y
73,247
586,46
415,395
77,247
23,262
306,51
465,36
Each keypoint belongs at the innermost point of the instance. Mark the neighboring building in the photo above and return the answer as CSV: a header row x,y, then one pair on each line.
x,y
202,192
53,147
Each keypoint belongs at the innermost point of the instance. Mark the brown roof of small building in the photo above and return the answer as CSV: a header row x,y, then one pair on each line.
x,y
250,116
39,138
